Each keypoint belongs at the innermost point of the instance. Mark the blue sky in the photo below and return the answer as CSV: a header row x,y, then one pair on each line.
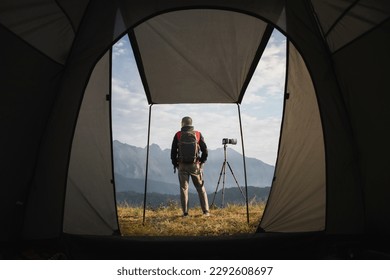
x,y
261,108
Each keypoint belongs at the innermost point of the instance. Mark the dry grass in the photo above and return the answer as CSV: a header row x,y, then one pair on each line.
x,y
168,221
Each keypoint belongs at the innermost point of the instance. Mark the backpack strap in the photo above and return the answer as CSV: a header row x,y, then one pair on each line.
x,y
197,135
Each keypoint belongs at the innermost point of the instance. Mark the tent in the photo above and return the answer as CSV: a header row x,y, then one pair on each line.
x,y
331,176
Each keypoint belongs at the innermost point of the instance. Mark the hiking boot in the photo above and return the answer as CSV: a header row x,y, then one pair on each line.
x,y
206,214
185,215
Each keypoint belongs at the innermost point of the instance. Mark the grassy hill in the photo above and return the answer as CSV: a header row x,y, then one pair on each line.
x,y
167,221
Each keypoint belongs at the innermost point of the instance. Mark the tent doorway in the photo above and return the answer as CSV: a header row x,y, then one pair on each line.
x,y
261,110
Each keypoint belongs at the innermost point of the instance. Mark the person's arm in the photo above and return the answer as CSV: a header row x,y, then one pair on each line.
x,y
203,148
174,151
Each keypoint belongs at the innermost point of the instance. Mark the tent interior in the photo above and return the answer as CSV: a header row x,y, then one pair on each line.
x,y
329,197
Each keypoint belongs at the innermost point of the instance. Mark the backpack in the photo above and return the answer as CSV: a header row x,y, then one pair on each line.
x,y
188,146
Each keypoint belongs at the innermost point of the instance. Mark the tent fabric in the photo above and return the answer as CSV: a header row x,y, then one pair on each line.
x,y
27,90
345,21
92,196
298,196
195,72
338,62
55,147
364,92
43,25
343,189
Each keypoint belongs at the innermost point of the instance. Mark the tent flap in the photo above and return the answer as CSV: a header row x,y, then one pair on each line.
x,y
297,199
180,67
90,198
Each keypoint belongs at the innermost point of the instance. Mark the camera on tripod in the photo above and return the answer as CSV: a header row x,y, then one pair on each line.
x,y
229,141
225,141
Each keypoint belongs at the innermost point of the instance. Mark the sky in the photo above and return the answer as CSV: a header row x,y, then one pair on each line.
x,y
261,107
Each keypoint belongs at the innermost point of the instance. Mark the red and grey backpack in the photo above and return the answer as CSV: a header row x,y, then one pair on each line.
x,y
188,146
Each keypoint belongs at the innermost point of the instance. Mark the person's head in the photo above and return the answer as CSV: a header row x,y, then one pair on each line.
x,y
186,121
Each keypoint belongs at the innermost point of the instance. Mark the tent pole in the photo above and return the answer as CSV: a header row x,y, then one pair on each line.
x,y
147,164
243,158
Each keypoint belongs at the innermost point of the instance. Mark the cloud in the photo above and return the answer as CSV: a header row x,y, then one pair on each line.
x,y
261,137
120,49
268,78
129,113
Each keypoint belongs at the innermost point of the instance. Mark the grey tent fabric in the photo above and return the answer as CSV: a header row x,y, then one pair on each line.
x,y
195,72
27,92
89,193
365,94
43,25
345,21
50,49
299,182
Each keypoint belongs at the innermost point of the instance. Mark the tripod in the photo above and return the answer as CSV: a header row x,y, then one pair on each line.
x,y
223,172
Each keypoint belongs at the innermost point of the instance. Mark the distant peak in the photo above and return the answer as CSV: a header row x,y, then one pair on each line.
x,y
155,147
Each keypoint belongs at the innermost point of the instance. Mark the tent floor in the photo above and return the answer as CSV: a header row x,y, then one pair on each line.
x,y
299,246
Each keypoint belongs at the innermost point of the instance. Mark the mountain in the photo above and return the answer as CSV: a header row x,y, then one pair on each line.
x,y
124,184
130,165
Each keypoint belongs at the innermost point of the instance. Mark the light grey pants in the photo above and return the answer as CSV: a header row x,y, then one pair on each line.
x,y
187,170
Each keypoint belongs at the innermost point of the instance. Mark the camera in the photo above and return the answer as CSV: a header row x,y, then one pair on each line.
x,y
229,141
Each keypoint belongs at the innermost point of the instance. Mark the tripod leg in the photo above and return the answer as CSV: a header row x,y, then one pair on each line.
x,y
223,185
219,179
231,170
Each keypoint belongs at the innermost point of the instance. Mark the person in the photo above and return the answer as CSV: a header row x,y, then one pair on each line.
x,y
193,170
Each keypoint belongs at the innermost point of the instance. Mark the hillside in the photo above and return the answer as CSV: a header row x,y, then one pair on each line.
x,y
130,163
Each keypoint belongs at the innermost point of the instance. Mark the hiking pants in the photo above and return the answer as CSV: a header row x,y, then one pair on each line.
x,y
187,170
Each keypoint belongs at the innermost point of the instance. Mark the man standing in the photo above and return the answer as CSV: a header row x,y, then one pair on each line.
x,y
188,154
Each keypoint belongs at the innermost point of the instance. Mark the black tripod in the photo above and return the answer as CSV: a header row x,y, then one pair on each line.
x,y
223,172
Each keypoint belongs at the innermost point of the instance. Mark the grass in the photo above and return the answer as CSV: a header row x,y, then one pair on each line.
x,y
168,221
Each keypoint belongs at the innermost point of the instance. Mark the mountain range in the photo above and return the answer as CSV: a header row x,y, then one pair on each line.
x,y
130,170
